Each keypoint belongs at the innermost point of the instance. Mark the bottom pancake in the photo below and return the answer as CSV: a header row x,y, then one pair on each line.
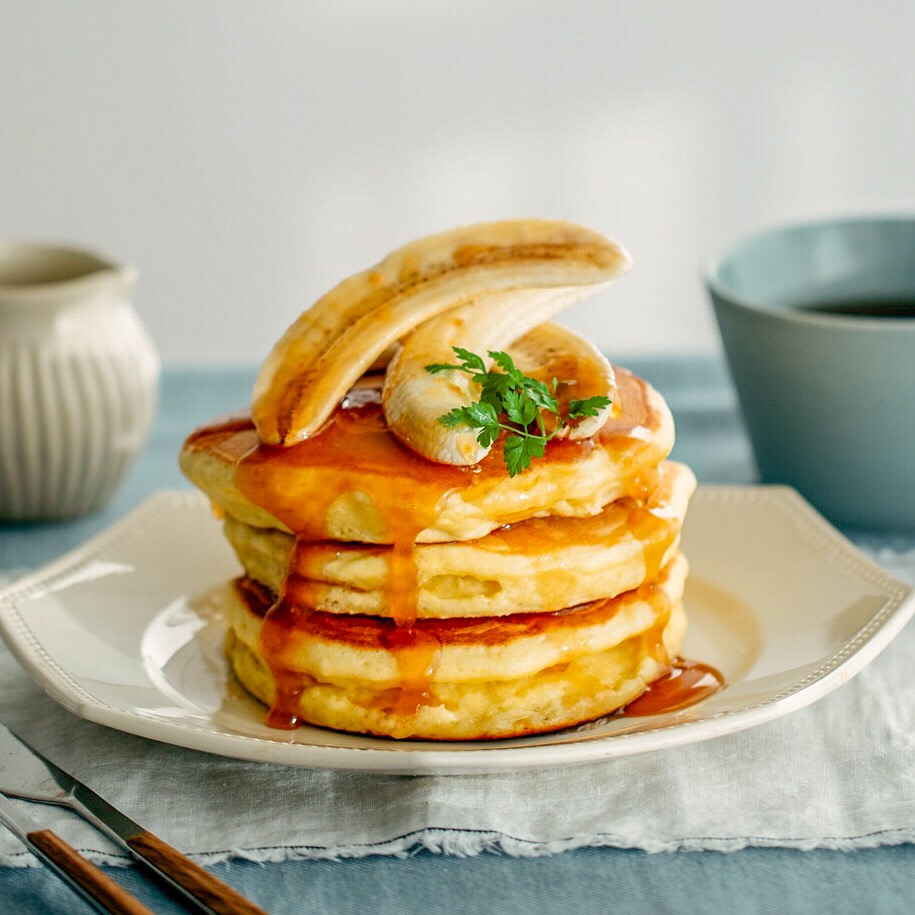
x,y
458,679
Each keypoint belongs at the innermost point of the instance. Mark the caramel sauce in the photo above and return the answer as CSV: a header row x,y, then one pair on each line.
x,y
642,484
416,652
355,453
652,638
577,379
283,618
655,527
283,714
375,632
687,683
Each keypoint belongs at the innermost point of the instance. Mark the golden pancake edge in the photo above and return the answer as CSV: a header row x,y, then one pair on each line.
x,y
492,678
227,462
399,577
542,564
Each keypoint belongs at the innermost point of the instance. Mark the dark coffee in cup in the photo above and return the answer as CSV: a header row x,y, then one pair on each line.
x,y
864,308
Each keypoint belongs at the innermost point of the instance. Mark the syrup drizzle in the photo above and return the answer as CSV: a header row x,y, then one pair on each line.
x,y
289,685
300,484
356,453
685,684
416,653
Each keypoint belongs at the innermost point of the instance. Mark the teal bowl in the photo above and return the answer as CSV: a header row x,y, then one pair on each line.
x,y
818,326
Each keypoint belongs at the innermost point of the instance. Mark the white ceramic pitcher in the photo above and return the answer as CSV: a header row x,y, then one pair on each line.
x,y
78,380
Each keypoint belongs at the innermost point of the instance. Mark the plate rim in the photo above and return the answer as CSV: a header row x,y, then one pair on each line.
x,y
865,645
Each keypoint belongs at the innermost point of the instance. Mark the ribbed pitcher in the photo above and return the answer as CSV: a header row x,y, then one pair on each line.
x,y
78,380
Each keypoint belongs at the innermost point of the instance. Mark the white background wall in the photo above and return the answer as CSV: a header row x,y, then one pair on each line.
x,y
248,155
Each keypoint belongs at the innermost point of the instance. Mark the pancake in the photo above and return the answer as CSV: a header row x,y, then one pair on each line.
x,y
450,550
538,565
356,481
455,679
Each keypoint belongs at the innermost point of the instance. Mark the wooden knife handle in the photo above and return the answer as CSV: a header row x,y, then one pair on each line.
x,y
201,884
94,883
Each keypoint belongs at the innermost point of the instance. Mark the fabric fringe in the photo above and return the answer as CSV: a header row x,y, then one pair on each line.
x,y
463,844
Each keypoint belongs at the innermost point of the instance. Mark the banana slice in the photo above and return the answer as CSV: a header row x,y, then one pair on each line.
x,y
331,344
414,399
552,351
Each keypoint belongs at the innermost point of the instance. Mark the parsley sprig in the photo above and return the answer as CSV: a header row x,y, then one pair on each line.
x,y
514,403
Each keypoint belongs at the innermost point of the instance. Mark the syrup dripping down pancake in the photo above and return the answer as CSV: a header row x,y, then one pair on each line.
x,y
542,564
456,679
357,482
464,603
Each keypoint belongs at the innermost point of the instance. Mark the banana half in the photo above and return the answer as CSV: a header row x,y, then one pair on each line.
x,y
511,275
414,400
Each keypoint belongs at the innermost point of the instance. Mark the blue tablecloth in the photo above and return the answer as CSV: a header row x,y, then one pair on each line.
x,y
709,438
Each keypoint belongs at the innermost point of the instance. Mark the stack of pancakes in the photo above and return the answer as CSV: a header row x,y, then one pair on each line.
x,y
387,594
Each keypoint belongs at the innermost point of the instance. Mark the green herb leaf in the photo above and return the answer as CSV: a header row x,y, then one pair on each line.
x,y
471,361
481,416
591,406
507,364
522,400
517,455
541,395
495,386
519,408
437,367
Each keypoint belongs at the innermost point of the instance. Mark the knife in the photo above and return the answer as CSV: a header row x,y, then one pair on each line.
x,y
96,887
26,773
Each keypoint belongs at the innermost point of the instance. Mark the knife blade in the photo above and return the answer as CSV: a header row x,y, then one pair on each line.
x,y
95,887
26,773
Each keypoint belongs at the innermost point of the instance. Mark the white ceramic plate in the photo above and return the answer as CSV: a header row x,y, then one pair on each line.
x,y
126,632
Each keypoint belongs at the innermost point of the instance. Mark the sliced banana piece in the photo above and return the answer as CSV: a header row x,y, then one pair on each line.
x,y
331,344
414,399
552,351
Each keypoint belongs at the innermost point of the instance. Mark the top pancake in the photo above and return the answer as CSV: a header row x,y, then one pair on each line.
x,y
355,481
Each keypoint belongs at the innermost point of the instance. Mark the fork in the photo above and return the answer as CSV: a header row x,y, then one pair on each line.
x,y
82,876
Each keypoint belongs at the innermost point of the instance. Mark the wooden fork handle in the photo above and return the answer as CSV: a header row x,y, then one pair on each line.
x,y
93,884
219,897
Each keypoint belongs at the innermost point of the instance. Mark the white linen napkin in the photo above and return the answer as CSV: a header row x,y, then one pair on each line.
x,y
839,774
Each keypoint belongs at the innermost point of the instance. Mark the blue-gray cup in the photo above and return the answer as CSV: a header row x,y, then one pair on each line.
x,y
818,326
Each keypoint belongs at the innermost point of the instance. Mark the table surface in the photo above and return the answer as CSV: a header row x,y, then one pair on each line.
x,y
710,438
